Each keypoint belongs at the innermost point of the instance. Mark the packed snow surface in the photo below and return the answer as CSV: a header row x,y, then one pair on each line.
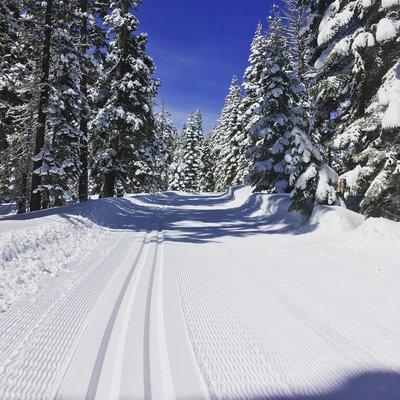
x,y
199,296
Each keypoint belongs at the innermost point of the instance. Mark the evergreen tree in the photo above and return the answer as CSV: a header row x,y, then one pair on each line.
x,y
124,121
227,130
60,156
285,158
296,16
207,182
177,167
254,89
353,49
192,153
165,138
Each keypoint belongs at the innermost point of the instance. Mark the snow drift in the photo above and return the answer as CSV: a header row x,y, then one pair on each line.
x,y
33,248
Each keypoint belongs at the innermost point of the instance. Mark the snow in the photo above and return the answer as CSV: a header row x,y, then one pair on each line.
x,y
387,29
352,178
30,251
202,296
333,20
390,3
363,39
389,97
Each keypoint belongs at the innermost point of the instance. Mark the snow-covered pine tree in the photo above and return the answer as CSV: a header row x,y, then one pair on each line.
x,y
207,181
228,127
253,87
285,157
165,138
123,121
192,152
60,156
19,93
354,48
9,21
46,14
177,167
295,18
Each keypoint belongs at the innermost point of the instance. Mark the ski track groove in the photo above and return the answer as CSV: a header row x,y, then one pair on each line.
x,y
249,336
94,380
146,332
35,371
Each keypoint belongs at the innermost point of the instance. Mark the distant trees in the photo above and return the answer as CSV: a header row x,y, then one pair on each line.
x,y
192,167
320,94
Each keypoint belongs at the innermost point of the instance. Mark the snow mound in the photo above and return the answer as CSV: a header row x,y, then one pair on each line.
x,y
381,228
28,253
335,218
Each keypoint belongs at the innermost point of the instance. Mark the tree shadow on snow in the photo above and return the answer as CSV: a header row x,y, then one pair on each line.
x,y
374,385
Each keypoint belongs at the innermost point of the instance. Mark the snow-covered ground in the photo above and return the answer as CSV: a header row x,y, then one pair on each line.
x,y
177,296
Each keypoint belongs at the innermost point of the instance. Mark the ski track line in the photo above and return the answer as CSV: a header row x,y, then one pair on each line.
x,y
37,369
348,348
146,332
95,377
37,364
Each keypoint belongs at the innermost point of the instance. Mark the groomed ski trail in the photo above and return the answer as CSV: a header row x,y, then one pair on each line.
x,y
198,297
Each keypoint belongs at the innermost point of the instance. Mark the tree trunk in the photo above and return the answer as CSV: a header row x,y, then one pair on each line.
x,y
109,185
43,99
110,178
83,176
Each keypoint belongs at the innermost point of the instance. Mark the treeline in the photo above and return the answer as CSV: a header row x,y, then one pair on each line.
x,y
320,101
318,104
77,103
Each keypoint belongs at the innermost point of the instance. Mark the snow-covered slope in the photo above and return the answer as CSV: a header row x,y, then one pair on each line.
x,y
197,296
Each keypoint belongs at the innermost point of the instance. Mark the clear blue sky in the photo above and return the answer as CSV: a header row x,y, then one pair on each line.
x,y
197,46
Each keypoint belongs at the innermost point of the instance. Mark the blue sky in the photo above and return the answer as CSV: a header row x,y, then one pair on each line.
x,y
197,46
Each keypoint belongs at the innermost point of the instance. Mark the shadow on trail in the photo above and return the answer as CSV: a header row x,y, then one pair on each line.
x,y
373,385
185,218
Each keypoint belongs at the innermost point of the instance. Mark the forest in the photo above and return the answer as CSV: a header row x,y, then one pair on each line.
x,y
316,114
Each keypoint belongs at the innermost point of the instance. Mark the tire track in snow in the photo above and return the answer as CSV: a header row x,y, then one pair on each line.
x,y
95,377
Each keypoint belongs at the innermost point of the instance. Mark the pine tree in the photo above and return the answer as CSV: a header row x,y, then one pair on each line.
x,y
124,120
177,167
60,156
295,17
227,130
285,157
353,49
254,88
207,181
165,138
19,95
192,152
44,92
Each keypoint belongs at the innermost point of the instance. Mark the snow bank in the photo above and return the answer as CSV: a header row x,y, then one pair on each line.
x,y
40,247
372,242
334,219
